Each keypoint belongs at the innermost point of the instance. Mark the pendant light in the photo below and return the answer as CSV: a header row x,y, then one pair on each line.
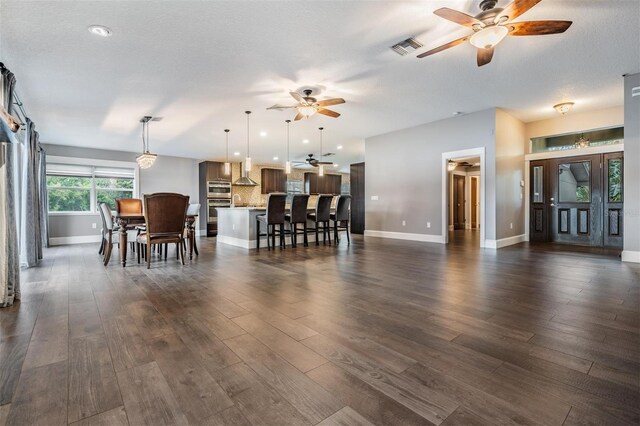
x,y
244,179
146,159
287,165
321,166
227,164
248,158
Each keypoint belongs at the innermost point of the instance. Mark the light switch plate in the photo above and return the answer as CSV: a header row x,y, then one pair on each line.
x,y
374,198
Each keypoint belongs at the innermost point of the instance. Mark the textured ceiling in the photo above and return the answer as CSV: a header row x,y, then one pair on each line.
x,y
201,64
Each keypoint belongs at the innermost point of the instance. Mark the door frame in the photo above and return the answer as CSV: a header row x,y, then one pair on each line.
x,y
452,155
528,158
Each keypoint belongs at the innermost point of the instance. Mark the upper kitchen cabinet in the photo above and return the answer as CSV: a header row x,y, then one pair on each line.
x,y
327,184
273,180
213,170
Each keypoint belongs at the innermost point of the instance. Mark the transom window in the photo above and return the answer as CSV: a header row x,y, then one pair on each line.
x,y
76,188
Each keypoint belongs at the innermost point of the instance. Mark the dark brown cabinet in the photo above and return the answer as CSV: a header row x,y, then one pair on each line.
x,y
357,198
273,180
327,184
208,171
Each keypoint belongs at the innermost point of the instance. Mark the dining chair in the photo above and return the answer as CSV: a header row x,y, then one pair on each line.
x,y
341,217
111,233
165,215
274,216
129,205
321,217
192,210
298,215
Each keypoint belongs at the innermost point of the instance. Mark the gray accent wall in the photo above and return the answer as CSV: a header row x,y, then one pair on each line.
x,y
404,170
631,170
168,174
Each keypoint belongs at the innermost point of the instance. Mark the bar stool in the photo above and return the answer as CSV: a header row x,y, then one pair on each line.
x,y
321,218
273,217
298,215
341,217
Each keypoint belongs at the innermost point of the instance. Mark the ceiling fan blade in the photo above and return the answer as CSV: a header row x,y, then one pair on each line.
x,y
515,9
457,17
532,28
484,56
329,102
328,112
444,47
281,107
299,116
297,96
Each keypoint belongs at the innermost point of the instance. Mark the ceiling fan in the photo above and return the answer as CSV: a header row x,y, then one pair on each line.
x,y
308,105
493,24
312,161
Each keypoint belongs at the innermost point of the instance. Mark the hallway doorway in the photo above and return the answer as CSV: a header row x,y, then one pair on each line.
x,y
464,199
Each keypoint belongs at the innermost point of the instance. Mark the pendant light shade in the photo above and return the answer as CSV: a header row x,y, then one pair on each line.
x,y
321,170
287,165
227,164
244,179
146,159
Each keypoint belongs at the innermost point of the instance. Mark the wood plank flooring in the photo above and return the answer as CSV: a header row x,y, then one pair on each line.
x,y
380,332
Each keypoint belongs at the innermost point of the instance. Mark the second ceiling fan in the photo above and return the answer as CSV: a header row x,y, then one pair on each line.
x,y
308,105
493,24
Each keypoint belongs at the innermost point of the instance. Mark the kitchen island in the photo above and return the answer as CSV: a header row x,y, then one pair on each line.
x,y
237,227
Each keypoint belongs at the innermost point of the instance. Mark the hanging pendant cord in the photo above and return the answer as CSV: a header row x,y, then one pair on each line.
x,y
227,137
248,112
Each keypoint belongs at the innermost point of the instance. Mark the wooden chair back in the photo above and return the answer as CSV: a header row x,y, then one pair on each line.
x,y
275,207
129,205
342,207
165,213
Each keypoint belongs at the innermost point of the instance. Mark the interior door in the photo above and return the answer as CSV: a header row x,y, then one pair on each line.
x,y
474,202
576,200
613,170
458,202
539,201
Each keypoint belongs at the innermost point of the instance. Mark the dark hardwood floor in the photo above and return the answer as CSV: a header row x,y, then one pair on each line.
x,y
380,332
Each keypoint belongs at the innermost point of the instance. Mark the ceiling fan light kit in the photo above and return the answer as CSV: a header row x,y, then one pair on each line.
x,y
308,105
493,24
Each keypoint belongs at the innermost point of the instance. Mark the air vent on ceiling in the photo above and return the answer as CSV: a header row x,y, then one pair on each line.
x,y
635,91
328,154
407,46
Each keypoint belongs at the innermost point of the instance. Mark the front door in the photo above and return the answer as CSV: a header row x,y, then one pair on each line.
x,y
576,200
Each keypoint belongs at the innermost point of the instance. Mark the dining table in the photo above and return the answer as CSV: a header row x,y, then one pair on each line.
x,y
126,220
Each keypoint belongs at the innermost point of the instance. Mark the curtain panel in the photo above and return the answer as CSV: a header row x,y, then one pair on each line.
x,y
44,205
30,232
9,250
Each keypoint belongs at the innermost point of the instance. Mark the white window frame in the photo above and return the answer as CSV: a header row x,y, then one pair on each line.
x,y
95,163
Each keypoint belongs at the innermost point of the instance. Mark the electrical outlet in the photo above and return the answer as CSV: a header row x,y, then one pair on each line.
x,y
94,225
404,223
374,198
428,224
233,226
511,225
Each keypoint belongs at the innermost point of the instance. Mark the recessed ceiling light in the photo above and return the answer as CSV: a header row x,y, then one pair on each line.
x,y
100,30
305,140
263,133
335,165
275,158
236,153
339,147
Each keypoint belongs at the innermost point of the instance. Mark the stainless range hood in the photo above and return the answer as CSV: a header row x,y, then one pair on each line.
x,y
244,180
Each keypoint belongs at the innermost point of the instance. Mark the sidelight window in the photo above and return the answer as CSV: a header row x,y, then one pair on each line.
x,y
614,184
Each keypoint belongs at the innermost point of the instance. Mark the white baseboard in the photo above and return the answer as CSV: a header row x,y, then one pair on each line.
x,y
405,236
631,256
84,239
251,244
504,242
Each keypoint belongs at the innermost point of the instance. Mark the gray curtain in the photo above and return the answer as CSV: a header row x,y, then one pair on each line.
x,y
9,251
44,205
31,207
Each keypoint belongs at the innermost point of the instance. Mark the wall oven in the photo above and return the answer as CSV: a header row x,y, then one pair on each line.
x,y
218,189
213,204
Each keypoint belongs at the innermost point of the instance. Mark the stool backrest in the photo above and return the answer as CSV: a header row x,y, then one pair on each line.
x,y
129,205
299,205
165,213
275,207
323,208
342,207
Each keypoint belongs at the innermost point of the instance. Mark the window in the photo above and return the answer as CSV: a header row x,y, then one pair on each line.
x,y
574,182
76,188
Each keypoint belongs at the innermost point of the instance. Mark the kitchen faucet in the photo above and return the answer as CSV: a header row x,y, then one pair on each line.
x,y
234,199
